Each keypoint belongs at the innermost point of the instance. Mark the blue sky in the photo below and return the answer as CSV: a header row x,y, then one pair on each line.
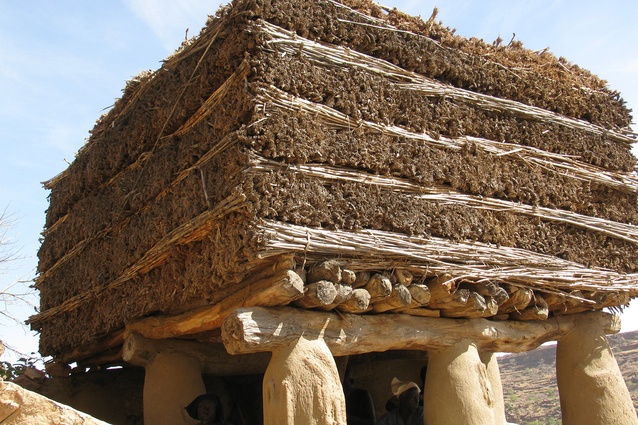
x,y
63,64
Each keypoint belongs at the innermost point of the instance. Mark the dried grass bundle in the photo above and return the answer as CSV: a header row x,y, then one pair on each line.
x,y
378,250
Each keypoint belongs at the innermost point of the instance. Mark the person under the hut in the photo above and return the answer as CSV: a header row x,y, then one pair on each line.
x,y
207,409
408,411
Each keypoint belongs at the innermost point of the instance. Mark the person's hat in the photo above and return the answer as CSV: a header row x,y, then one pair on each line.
x,y
399,387
191,409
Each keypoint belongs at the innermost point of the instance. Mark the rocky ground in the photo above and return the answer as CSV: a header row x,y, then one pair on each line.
x,y
529,380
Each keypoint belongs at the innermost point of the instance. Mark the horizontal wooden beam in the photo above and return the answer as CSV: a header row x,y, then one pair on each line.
x,y
213,358
279,289
82,353
251,330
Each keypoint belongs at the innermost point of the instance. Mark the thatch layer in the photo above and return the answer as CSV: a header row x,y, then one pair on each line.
x,y
381,145
433,51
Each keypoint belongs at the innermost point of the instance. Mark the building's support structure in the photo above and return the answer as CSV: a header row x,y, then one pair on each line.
x,y
257,329
302,382
494,377
171,382
591,387
173,373
302,386
459,388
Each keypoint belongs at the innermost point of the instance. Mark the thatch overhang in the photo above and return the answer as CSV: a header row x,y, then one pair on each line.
x,y
294,133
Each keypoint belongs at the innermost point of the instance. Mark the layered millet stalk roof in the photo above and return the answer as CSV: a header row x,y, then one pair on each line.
x,y
344,132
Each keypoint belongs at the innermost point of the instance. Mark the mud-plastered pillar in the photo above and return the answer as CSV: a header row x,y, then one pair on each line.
x,y
494,376
171,382
591,387
301,386
458,389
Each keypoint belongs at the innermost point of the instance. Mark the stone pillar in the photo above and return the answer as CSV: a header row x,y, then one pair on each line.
x,y
171,382
458,389
591,387
301,386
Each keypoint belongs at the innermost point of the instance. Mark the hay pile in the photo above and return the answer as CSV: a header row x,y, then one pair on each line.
x,y
341,131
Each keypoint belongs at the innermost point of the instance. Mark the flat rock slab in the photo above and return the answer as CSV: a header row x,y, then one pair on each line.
x,y
23,407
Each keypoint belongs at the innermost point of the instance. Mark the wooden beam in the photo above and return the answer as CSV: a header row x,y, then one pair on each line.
x,y
344,292
420,293
422,312
358,302
379,287
536,311
493,290
403,276
213,358
442,290
104,358
361,280
326,270
251,330
318,294
399,298
107,343
280,289
519,299
476,306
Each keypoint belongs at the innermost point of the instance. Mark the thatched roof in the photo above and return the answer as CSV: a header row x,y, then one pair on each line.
x,y
341,131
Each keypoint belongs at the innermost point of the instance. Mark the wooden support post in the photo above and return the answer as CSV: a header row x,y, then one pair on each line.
x,y
251,330
302,386
591,387
457,387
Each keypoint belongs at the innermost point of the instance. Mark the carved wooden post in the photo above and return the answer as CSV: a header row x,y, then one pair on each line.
x,y
591,387
458,389
301,386
171,382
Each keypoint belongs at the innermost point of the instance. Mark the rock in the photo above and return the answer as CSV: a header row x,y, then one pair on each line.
x,y
19,406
